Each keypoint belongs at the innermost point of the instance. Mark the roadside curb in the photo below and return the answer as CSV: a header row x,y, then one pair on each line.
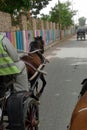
x,y
57,42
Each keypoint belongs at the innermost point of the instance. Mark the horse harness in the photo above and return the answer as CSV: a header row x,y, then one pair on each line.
x,y
83,109
39,69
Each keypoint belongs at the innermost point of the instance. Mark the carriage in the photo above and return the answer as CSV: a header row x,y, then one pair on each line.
x,y
81,34
20,110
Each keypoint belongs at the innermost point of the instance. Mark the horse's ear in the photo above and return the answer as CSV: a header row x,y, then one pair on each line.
x,y
40,37
34,37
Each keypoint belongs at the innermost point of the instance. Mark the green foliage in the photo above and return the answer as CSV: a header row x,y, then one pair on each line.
x,y
33,5
10,5
61,14
45,17
37,5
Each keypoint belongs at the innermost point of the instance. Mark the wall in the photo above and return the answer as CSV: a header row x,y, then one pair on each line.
x,y
22,39
5,22
24,23
22,35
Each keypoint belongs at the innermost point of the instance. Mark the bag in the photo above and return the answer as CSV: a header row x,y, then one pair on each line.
x,y
17,105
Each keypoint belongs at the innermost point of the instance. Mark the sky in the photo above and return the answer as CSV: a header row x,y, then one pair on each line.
x,y
80,5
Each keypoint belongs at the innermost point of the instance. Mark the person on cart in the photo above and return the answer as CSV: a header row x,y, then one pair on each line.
x,y
81,34
10,64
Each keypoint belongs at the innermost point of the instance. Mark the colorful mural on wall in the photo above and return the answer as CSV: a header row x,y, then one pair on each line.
x,y
22,39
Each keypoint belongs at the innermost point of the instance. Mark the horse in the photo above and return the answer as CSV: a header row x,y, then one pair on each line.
x,y
79,115
38,44
35,63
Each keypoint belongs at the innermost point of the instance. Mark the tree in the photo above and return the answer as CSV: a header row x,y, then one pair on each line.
x,y
34,6
82,21
45,17
62,14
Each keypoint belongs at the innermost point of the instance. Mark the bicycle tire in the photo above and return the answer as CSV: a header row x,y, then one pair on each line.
x,y
31,116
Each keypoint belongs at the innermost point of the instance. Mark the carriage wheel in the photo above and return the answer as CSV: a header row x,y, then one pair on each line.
x,y
32,116
1,127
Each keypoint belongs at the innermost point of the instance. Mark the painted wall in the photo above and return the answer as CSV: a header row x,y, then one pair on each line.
x,y
22,39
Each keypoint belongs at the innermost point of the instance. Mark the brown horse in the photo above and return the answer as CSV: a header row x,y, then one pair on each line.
x,y
35,63
79,115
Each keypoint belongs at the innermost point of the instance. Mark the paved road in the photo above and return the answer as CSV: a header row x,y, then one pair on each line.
x,y
66,70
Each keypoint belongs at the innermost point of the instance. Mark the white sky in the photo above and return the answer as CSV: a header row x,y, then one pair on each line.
x,y
80,5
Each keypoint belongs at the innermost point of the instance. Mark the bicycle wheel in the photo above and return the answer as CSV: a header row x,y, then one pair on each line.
x,y
31,120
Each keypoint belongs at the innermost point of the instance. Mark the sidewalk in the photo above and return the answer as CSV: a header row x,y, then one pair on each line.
x,y
57,42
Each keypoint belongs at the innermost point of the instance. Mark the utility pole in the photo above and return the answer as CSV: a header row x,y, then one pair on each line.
x,y
59,12
72,11
59,18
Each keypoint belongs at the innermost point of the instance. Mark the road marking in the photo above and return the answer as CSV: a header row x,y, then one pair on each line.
x,y
79,63
68,80
74,93
57,94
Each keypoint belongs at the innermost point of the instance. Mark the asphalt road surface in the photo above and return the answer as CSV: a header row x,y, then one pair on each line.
x,y
65,72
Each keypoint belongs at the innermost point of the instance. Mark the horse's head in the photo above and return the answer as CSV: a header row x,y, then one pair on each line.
x,y
38,43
